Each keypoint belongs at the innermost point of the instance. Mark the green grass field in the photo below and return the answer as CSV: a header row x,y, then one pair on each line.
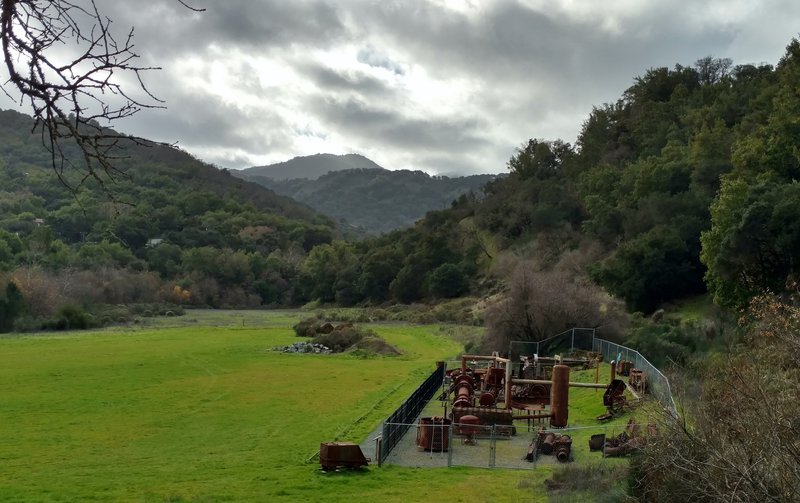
x,y
198,408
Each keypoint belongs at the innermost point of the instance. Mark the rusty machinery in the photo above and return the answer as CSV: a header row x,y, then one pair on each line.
x,y
628,441
476,393
637,380
490,385
550,443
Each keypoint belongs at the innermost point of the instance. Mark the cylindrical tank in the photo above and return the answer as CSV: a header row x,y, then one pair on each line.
x,y
433,433
559,396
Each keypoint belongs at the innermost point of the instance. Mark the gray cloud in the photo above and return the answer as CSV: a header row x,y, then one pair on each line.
x,y
412,83
331,81
393,128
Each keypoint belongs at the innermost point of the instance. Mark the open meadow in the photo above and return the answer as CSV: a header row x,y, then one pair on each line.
x,y
199,408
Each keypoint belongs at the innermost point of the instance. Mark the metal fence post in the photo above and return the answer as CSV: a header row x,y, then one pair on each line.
x,y
492,447
450,445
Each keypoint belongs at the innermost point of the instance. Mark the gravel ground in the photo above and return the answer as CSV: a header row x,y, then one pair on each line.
x,y
509,452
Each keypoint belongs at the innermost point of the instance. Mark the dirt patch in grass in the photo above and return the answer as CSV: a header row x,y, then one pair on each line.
x,y
376,345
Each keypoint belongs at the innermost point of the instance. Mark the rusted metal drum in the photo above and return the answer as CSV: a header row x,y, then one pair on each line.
x,y
597,442
470,426
433,434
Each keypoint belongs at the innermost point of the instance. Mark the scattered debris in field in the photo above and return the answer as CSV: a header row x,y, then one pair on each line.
x,y
305,347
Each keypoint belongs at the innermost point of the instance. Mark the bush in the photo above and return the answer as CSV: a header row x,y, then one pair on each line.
x,y
343,338
738,439
70,317
307,327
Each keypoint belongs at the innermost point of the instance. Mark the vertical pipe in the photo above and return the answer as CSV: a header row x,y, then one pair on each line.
x,y
613,370
559,396
508,385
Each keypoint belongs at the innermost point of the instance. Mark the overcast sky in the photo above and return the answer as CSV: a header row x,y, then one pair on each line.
x,y
446,86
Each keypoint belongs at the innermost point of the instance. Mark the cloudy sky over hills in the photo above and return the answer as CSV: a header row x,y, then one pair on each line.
x,y
440,85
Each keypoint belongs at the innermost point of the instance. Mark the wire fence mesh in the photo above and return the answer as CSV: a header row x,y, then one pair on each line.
x,y
487,446
657,383
585,339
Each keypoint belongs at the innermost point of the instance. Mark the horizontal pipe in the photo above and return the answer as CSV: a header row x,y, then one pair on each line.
x,y
572,384
485,357
464,359
533,416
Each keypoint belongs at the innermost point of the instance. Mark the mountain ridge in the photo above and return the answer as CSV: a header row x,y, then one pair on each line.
x,y
309,166
376,200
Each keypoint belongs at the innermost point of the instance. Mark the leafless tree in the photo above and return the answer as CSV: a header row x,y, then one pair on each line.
x,y
539,304
72,100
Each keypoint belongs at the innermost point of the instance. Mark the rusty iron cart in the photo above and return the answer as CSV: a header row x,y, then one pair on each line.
x,y
333,455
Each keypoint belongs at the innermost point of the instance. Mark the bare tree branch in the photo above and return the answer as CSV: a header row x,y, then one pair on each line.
x,y
73,102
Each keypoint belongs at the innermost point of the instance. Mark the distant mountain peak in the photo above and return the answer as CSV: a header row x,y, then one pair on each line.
x,y
310,166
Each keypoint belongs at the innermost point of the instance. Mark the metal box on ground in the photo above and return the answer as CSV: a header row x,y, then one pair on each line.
x,y
334,455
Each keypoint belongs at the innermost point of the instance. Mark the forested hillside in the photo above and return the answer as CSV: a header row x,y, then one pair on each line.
x,y
170,229
687,183
376,200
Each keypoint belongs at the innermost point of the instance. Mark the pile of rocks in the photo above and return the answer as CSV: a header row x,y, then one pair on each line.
x,y
305,347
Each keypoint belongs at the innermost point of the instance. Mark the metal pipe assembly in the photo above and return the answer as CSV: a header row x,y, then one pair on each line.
x,y
571,384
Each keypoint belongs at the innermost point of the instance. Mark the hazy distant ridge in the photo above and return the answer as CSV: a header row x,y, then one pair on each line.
x,y
310,166
369,197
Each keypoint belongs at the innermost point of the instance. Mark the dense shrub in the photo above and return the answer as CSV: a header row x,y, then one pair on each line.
x,y
307,327
343,338
70,317
448,281
738,438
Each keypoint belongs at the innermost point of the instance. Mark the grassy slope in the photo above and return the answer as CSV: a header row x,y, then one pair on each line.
x,y
208,413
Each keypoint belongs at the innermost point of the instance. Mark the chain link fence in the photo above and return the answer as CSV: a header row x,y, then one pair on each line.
x,y
657,384
480,446
565,343
499,446
585,339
